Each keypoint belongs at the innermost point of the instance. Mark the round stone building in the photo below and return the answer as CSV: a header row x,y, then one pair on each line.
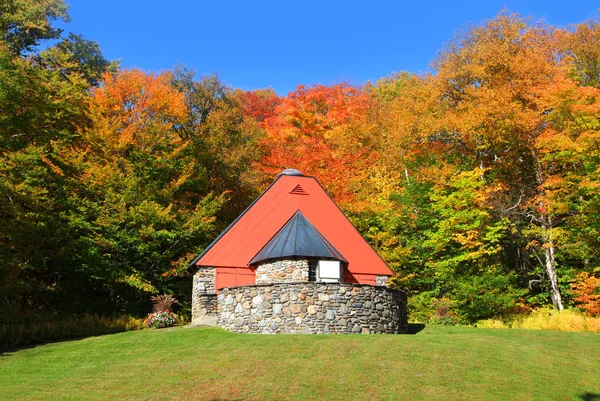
x,y
293,263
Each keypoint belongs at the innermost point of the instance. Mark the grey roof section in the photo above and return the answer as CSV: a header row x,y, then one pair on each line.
x,y
298,238
291,171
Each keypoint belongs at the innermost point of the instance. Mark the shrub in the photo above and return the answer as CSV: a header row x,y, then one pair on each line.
x,y
159,320
425,308
551,319
443,314
491,324
546,319
486,296
164,302
421,308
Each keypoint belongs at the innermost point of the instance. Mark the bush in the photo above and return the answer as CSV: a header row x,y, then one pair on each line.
x,y
492,324
551,319
421,308
37,330
426,308
486,296
547,319
158,320
164,302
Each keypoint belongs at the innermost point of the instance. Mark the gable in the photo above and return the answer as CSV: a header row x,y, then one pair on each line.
x,y
254,228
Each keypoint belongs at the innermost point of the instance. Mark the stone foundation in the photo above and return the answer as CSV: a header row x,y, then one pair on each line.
x,y
204,310
312,308
282,271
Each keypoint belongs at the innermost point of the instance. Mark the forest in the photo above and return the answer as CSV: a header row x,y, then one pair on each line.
x,y
478,182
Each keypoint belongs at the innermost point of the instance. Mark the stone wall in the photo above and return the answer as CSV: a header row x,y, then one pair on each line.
x,y
204,281
312,308
282,271
204,299
204,310
382,280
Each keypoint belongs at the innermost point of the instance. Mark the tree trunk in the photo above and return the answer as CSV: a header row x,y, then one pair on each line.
x,y
549,262
550,266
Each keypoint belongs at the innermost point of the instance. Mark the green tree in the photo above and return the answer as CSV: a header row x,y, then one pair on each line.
x,y
24,24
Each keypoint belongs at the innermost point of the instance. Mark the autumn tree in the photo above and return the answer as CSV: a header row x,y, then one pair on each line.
x,y
492,80
569,143
24,24
132,200
587,293
259,104
44,88
224,139
322,131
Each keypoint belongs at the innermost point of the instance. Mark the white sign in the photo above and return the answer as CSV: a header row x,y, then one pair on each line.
x,y
329,270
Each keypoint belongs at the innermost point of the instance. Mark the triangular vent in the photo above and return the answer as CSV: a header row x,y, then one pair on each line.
x,y
298,190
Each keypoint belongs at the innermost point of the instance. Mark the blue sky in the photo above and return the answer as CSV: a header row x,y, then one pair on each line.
x,y
280,44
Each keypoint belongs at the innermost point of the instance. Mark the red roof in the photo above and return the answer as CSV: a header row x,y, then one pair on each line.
x,y
240,242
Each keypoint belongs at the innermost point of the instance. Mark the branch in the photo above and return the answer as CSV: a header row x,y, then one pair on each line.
x,y
533,281
517,204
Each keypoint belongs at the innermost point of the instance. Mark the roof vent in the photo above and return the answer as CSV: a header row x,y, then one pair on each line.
x,y
290,171
298,190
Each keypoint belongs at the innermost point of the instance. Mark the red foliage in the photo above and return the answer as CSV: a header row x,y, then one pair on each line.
x,y
322,131
260,104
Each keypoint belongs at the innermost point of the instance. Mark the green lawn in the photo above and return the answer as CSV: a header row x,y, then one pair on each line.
x,y
449,363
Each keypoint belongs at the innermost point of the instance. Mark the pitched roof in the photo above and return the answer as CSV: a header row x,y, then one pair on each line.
x,y
298,238
260,222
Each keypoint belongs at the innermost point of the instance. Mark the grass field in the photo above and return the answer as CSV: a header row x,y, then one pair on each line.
x,y
449,363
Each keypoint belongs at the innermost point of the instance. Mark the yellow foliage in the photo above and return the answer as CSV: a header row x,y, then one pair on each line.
x,y
547,319
139,283
53,166
491,324
566,320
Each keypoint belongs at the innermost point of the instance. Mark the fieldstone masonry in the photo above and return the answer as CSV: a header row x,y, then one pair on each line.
x,y
204,309
312,308
282,271
382,280
204,299
204,281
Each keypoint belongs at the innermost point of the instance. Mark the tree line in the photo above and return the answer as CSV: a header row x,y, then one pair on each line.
x,y
478,183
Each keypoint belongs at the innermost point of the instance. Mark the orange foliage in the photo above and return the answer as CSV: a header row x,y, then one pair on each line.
x,y
492,83
136,108
259,104
587,289
321,131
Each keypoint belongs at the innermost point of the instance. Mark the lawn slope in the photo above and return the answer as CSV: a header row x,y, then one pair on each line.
x,y
449,363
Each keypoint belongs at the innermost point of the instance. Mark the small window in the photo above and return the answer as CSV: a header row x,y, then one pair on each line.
x,y
312,270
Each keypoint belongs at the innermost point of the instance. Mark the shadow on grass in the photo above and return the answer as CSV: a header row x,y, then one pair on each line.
x,y
414,328
9,350
590,397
